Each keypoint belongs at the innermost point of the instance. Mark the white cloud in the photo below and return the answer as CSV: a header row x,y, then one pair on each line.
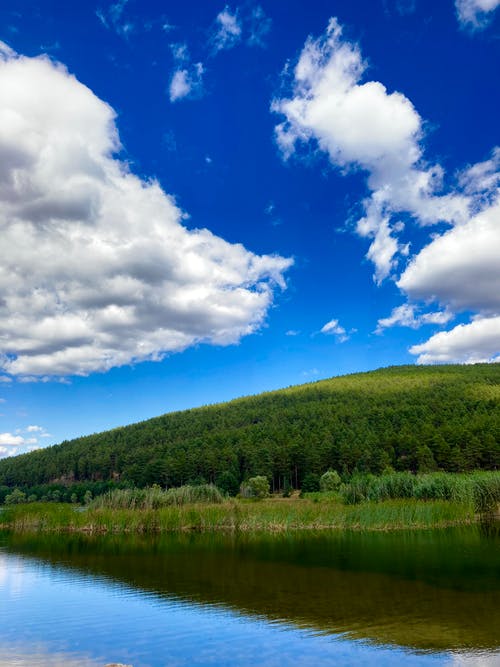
x,y
2,400
6,51
363,126
187,79
360,125
17,443
227,30
460,268
10,440
113,18
406,315
259,26
333,328
96,267
5,379
312,372
26,379
187,83
476,14
478,341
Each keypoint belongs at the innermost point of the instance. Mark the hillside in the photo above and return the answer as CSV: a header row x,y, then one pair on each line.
x,y
408,417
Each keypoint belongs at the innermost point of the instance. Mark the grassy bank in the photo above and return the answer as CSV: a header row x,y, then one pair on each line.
x,y
392,501
272,515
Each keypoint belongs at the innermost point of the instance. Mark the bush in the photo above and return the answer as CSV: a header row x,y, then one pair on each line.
x,y
228,483
329,481
310,483
255,487
15,498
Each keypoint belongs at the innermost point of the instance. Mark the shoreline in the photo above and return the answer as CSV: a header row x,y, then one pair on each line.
x,y
268,516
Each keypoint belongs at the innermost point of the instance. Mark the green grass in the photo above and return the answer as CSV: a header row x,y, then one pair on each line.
x,y
478,490
155,497
272,515
388,502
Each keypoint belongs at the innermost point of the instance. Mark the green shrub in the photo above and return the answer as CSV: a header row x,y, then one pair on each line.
x,y
356,490
228,483
310,483
329,481
255,487
15,498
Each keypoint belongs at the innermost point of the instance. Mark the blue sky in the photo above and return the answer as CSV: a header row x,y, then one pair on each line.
x,y
200,201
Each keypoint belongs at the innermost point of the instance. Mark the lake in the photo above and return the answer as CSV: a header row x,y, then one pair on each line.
x,y
412,598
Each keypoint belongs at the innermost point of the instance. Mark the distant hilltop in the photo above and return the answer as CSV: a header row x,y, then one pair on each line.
x,y
416,418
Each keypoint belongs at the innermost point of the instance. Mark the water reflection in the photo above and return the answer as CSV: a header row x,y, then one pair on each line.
x,y
435,593
40,656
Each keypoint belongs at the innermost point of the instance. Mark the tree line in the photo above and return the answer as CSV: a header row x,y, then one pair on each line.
x,y
406,418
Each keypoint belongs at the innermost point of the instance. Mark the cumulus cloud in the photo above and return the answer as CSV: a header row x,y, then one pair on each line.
x,y
333,328
22,441
227,31
407,315
11,444
461,267
475,14
360,125
34,428
96,267
10,440
478,341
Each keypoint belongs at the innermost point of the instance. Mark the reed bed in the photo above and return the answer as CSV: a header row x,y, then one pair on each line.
x,y
238,515
155,497
479,490
388,502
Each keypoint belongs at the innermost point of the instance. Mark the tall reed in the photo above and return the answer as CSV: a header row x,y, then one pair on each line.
x,y
155,497
480,490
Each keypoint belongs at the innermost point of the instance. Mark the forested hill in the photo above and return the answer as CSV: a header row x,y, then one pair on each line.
x,y
408,417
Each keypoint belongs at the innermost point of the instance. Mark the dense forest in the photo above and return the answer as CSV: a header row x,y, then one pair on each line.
x,y
403,418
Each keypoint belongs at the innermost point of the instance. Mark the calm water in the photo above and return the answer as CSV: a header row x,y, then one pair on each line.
x,y
426,598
